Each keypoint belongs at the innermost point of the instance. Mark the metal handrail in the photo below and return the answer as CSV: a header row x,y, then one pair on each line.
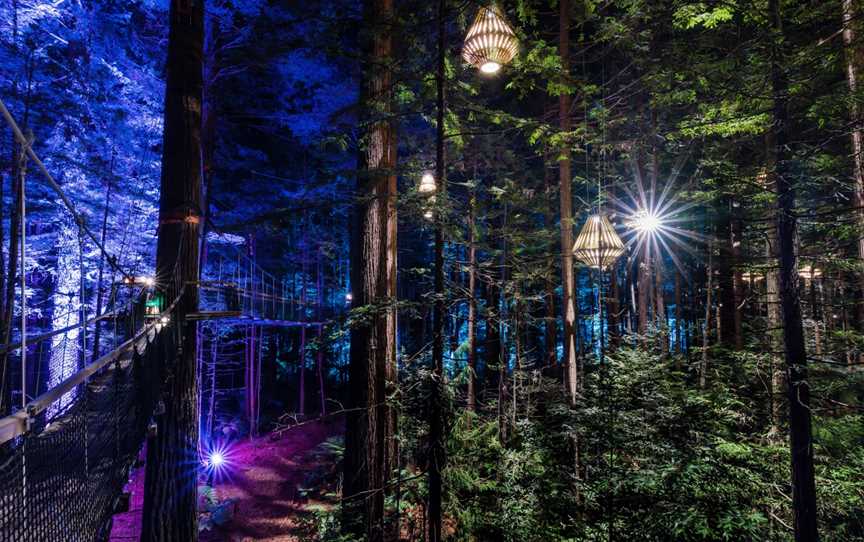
x,y
18,423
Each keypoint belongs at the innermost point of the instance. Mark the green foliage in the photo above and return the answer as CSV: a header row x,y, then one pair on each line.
x,y
661,460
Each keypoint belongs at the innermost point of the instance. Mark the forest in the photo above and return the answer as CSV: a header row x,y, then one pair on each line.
x,y
425,271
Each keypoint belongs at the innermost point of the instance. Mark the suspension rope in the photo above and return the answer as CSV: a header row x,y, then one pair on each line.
x,y
79,219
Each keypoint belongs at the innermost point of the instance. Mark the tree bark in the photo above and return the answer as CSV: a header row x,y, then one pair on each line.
x,y
97,332
725,275
551,322
472,305
679,344
660,306
857,137
170,494
436,437
568,300
706,327
798,389
301,353
644,288
366,438
737,282
319,355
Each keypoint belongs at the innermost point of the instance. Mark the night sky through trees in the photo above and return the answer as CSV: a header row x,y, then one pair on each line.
x,y
400,270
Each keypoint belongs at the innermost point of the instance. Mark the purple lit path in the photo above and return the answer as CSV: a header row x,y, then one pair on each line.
x,y
265,477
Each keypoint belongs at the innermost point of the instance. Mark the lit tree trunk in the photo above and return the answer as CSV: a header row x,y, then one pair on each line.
x,y
551,323
171,493
800,430
301,354
678,315
568,301
97,333
19,160
772,301
644,288
365,472
850,12
319,289
391,374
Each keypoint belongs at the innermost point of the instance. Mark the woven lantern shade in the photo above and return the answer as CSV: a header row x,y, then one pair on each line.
x,y
490,42
598,244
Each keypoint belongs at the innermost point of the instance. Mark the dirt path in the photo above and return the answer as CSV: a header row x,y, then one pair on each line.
x,y
263,477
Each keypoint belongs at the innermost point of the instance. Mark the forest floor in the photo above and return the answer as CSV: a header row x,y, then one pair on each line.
x,y
265,478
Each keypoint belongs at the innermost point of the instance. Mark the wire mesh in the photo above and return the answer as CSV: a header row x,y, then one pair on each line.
x,y
61,481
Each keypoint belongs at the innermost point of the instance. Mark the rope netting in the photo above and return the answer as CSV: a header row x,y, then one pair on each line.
x,y
63,478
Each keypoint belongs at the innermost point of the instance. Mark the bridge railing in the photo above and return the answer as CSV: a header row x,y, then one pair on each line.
x,y
62,470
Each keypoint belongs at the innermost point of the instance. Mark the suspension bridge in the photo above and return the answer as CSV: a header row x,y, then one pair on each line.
x,y
82,398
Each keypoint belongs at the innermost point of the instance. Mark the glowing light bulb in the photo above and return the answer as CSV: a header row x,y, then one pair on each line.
x,y
164,320
349,297
428,215
490,67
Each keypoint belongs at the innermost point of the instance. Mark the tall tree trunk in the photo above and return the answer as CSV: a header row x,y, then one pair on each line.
x,y
644,288
678,315
772,302
725,274
850,25
568,301
301,353
98,325
737,282
19,160
800,429
171,493
706,327
551,322
365,472
319,354
391,368
472,304
436,429
660,306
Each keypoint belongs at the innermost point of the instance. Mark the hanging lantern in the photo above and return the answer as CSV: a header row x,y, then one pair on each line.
x,y
808,272
490,42
598,244
427,184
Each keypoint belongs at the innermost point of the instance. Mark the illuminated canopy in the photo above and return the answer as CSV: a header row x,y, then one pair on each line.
x,y
490,42
598,244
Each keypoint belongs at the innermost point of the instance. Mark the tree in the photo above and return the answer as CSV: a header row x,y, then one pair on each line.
x,y
372,281
568,299
171,492
798,388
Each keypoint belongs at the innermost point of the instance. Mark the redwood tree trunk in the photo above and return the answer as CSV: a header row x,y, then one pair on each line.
x,y
857,138
365,473
472,306
798,389
170,494
436,428
568,301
